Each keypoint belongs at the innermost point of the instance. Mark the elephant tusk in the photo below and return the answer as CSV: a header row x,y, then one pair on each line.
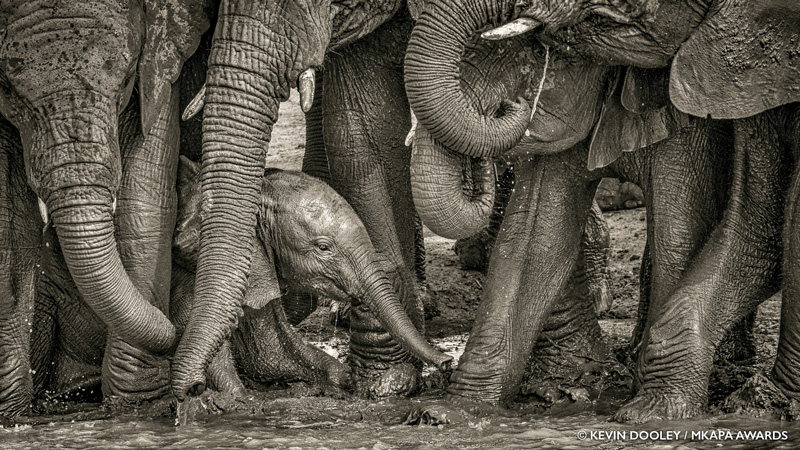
x,y
511,29
195,105
114,206
43,212
412,131
305,84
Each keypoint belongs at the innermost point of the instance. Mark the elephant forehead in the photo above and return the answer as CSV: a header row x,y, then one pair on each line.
x,y
93,44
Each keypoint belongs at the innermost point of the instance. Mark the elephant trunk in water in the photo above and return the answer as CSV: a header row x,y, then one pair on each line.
x,y
432,80
453,203
79,196
251,69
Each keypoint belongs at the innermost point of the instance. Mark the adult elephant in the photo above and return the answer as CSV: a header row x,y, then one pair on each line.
x,y
260,50
67,70
686,323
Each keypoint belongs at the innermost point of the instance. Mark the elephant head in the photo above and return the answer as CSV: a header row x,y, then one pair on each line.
x,y
67,70
310,239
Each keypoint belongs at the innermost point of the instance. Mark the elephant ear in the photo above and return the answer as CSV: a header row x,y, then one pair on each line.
x,y
645,89
174,29
619,130
742,60
262,283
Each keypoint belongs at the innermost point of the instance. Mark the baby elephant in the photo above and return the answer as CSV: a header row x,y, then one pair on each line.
x,y
309,241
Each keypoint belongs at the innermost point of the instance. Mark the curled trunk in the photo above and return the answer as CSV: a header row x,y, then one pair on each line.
x,y
452,193
241,106
432,81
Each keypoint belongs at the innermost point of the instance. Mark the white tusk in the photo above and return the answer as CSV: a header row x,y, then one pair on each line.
x,y
43,212
511,29
114,206
412,131
305,84
195,105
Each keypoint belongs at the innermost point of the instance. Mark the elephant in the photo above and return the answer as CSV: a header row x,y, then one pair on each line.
x,y
302,211
356,132
68,71
473,252
713,73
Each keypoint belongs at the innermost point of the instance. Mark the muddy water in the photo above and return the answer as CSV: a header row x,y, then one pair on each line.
x,y
295,418
335,425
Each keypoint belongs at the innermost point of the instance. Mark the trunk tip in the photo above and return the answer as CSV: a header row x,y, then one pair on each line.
x,y
445,363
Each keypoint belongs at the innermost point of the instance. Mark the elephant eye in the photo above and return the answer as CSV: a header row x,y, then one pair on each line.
x,y
323,245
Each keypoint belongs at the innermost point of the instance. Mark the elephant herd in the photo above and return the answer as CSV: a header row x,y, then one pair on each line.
x,y
144,243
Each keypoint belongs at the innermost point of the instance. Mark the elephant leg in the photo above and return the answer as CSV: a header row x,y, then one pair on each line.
x,y
571,338
365,122
533,261
596,243
267,349
429,303
315,160
20,240
645,286
786,371
474,251
144,221
737,268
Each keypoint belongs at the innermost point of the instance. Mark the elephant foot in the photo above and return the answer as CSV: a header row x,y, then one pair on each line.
x,y
132,375
653,405
399,380
760,396
16,404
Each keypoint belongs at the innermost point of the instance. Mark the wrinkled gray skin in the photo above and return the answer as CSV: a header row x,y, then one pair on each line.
x,y
303,211
360,45
473,252
708,76
67,70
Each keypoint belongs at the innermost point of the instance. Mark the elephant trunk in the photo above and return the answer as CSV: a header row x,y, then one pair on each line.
x,y
380,297
432,77
244,87
453,195
74,166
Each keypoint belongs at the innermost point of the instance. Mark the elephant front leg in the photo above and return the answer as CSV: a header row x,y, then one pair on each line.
x,y
737,269
269,350
532,262
144,220
365,122
20,238
786,371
